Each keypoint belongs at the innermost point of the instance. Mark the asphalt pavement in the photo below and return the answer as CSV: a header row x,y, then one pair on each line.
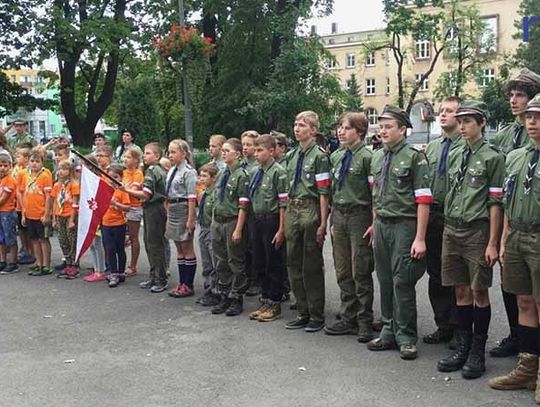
x,y
72,343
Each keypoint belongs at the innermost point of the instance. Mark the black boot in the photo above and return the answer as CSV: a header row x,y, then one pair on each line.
x,y
223,305
476,363
235,308
457,359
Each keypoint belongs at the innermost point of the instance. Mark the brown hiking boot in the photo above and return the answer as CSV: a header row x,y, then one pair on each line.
x,y
523,376
255,314
272,312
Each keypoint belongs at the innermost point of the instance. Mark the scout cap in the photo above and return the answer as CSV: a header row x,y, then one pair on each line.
x,y
280,138
395,113
19,120
472,108
526,76
534,104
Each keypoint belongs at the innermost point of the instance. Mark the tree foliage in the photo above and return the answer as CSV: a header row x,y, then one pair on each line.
x,y
353,97
496,99
13,98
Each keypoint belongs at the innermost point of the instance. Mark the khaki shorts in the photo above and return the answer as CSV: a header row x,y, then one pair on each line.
x,y
463,257
521,271
135,214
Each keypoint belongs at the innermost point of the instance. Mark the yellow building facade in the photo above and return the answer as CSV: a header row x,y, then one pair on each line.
x,y
376,72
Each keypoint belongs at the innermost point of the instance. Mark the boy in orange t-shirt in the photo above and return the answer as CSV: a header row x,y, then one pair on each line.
x,y
36,187
114,230
22,158
8,216
64,205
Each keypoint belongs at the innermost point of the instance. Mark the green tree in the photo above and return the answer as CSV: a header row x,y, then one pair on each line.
x,y
527,54
13,97
469,47
353,97
496,99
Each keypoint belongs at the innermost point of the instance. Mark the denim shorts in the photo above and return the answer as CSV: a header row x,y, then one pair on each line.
x,y
8,228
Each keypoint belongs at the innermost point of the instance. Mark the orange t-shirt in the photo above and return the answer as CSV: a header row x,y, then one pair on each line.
x,y
19,173
35,188
63,197
113,216
8,185
133,179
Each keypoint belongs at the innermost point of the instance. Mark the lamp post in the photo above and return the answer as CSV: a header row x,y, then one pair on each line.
x,y
188,119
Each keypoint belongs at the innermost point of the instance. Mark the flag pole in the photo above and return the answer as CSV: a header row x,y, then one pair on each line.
x,y
96,168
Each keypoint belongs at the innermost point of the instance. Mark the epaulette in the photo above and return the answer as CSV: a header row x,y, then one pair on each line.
x,y
322,149
494,147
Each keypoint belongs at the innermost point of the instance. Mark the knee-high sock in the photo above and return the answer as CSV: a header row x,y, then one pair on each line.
x,y
512,312
190,267
464,314
482,317
181,270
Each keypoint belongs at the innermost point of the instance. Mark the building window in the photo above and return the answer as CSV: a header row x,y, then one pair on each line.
x,y
331,41
422,49
486,76
372,115
424,87
350,60
370,58
387,86
350,39
330,63
488,40
370,87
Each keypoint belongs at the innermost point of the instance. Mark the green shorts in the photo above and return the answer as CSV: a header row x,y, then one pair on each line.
x,y
521,272
463,257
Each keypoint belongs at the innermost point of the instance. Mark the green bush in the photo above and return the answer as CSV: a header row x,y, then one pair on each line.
x,y
201,158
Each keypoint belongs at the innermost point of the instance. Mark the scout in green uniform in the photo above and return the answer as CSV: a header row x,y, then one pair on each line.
x,y
20,136
473,215
351,218
520,252
437,152
401,199
521,89
214,150
268,196
154,217
228,230
308,168
282,146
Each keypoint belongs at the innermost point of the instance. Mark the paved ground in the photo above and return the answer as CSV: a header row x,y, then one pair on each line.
x,y
70,343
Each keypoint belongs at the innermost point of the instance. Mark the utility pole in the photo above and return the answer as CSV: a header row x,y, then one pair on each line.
x,y
188,119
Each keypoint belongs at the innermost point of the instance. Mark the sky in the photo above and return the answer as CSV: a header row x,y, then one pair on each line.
x,y
351,15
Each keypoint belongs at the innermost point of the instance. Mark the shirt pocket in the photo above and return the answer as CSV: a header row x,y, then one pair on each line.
x,y
401,177
476,177
308,170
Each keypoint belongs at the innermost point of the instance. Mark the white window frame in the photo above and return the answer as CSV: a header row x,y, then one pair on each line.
x,y
370,58
370,87
491,31
330,63
486,77
372,115
350,60
424,87
422,49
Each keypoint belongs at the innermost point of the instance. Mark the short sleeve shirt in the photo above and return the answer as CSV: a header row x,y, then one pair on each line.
x,y
235,193
113,216
209,198
271,194
407,182
133,179
19,173
35,188
481,186
314,174
62,194
154,184
184,183
355,188
522,206
8,186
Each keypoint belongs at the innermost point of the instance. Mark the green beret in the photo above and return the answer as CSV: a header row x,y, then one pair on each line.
x,y
472,108
395,113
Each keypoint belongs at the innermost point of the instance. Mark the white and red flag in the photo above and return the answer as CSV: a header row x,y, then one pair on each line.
x,y
95,198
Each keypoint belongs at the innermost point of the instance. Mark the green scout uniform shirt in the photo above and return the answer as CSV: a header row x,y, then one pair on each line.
x,y
154,184
520,207
439,184
250,164
283,161
503,140
208,206
272,191
481,186
315,174
355,189
407,182
236,193
26,138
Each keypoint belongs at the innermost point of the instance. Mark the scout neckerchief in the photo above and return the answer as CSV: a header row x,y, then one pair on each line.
x,y
385,168
516,140
345,164
464,163
530,171
255,182
62,196
444,156
223,183
33,180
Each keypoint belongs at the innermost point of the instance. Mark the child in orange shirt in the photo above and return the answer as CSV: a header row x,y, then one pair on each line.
x,y
65,203
36,188
8,216
19,171
133,178
114,230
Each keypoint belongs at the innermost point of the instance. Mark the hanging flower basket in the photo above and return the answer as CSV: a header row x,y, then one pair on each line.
x,y
183,42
